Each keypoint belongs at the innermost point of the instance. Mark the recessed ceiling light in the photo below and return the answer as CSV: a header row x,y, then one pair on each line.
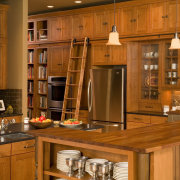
x,y
50,7
78,2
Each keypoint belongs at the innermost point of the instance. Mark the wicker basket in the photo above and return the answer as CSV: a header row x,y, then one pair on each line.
x,y
40,125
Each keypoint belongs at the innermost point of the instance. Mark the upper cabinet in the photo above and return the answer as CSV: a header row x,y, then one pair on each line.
x,y
103,22
83,26
108,55
163,17
134,20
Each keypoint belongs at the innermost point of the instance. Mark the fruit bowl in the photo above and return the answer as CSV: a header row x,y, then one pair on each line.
x,y
40,123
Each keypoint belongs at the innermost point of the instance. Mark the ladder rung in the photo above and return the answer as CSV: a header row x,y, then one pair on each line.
x,y
74,71
72,84
76,43
71,98
67,112
76,57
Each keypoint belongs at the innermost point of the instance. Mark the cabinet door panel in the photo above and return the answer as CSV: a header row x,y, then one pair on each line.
x,y
171,20
157,17
5,168
101,24
158,119
127,24
23,166
58,60
77,26
142,19
100,54
118,55
88,25
138,118
132,125
66,27
3,23
55,29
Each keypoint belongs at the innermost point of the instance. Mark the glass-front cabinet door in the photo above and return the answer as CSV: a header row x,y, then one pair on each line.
x,y
171,68
149,76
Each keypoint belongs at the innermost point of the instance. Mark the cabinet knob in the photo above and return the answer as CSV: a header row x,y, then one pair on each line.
x,y
148,107
81,26
106,55
59,64
105,23
58,29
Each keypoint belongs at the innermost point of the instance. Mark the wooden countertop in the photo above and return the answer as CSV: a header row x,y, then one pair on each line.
x,y
142,140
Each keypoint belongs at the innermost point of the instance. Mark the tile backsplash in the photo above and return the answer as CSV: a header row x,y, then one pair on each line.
x,y
12,97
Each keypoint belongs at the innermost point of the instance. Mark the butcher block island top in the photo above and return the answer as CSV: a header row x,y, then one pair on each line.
x,y
152,153
142,140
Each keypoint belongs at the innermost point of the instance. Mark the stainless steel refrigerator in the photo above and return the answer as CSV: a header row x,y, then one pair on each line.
x,y
107,97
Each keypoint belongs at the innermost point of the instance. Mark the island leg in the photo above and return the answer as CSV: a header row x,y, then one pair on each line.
x,y
40,158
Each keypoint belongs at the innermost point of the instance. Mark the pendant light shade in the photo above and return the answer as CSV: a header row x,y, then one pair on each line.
x,y
175,42
113,37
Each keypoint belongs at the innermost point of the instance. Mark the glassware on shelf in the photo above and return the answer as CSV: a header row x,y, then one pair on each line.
x,y
110,170
94,167
70,163
80,164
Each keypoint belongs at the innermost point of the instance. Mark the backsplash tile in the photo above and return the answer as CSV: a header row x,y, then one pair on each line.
x,y
12,97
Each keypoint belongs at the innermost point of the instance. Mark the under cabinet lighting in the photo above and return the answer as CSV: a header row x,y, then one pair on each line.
x,y
77,2
50,7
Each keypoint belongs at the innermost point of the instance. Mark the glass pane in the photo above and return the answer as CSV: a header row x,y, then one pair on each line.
x,y
150,65
171,66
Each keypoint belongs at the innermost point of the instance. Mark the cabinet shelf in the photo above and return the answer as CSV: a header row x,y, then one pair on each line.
x,y
44,94
30,79
42,79
150,58
169,57
30,107
30,93
57,173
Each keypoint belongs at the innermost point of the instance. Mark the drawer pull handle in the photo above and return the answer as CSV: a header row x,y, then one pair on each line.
x,y
148,107
137,118
27,146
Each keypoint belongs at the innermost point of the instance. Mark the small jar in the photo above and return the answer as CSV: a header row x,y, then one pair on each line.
x,y
26,120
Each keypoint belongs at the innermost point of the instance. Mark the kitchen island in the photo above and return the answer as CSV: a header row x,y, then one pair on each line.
x,y
153,153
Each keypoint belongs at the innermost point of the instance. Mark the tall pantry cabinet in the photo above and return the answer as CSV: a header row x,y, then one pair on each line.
x,y
3,45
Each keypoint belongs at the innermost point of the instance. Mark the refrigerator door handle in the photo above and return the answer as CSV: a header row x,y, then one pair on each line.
x,y
89,94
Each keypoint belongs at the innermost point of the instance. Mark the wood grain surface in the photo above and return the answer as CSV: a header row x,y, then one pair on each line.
x,y
142,140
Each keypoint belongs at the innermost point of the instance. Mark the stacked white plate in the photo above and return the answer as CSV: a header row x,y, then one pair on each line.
x,y
120,171
95,160
63,155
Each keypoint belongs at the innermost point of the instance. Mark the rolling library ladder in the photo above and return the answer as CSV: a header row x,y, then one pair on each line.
x,y
74,81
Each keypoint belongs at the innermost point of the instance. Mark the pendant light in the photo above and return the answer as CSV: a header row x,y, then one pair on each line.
x,y
175,43
113,35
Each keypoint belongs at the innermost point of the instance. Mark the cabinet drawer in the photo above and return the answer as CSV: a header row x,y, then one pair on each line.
x,y
5,150
23,147
132,125
138,118
158,119
144,106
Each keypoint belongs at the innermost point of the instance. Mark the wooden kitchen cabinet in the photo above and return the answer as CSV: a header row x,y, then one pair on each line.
x,y
163,17
134,20
23,160
55,28
83,26
17,118
23,166
58,60
5,168
60,28
42,30
31,31
109,55
137,120
103,22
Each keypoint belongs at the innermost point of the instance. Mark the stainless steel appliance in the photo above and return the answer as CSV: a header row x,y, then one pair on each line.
x,y
107,97
56,88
